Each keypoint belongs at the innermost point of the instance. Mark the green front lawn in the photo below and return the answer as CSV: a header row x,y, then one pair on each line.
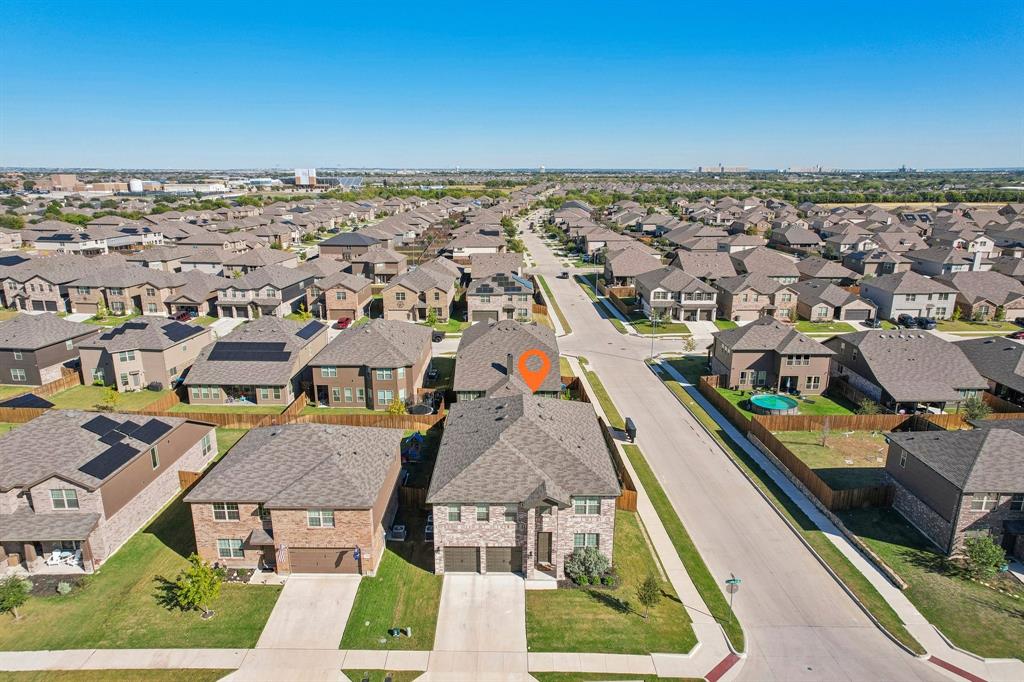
x,y
203,320
91,398
698,571
968,326
824,327
811,404
847,460
402,594
130,675
450,326
644,326
693,367
186,408
725,324
8,390
119,607
110,320
975,617
611,620
298,316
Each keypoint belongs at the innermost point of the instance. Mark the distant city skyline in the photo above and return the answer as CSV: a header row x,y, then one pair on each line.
x,y
597,86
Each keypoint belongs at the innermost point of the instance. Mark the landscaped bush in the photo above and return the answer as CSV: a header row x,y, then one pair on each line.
x,y
586,563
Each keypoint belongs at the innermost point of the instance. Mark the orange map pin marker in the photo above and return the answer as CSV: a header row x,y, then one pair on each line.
x,y
534,378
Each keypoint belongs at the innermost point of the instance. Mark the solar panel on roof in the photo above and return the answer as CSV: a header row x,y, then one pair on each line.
x,y
176,331
128,427
100,425
309,331
111,438
151,431
27,400
109,461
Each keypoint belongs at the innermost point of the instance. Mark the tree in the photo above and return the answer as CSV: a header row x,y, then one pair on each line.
x,y
11,221
303,313
648,593
867,406
101,310
276,246
1000,313
957,314
983,556
198,586
111,398
975,408
397,407
432,317
689,344
14,592
585,562
28,185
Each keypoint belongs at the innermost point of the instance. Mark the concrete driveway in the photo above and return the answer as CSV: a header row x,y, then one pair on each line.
x,y
482,613
223,326
310,613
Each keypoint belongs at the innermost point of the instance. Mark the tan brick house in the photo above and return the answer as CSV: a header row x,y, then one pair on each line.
x,y
340,296
301,498
413,295
379,265
79,484
372,365
521,481
769,354
748,297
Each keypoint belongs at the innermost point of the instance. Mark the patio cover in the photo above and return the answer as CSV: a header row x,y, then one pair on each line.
x,y
28,526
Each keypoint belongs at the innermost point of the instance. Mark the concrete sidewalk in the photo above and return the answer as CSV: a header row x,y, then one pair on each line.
x,y
992,670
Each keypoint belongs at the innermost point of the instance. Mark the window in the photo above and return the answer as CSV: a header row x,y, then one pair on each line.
x,y
384,397
230,549
745,377
17,375
813,383
340,295
97,375
903,459
786,298
401,372
943,297
207,444
585,540
270,293
195,390
454,513
83,291
328,371
798,359
1017,502
150,291
69,344
205,391
589,506
511,513
483,512
348,395
659,295
126,356
400,297
437,296
383,374
911,297
225,511
320,518
984,501
262,512
485,299
124,378
18,355
154,458
64,498
115,292
151,307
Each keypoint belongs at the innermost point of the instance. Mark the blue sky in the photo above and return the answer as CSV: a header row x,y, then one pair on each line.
x,y
653,85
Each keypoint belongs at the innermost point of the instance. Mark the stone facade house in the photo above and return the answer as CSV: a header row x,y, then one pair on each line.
x,y
675,295
951,485
909,293
372,365
905,371
142,352
501,296
819,300
521,481
263,362
980,294
34,348
300,498
430,288
749,297
769,354
79,484
489,353
340,296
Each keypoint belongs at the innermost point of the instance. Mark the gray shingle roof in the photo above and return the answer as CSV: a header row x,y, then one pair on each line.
x,y
760,283
521,448
825,269
814,291
984,460
997,358
768,334
380,343
260,257
26,525
350,239
144,333
909,282
766,261
484,348
301,466
486,264
29,332
987,285
55,444
705,265
673,279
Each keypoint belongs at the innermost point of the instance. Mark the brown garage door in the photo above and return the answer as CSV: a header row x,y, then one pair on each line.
x,y
504,559
857,314
485,315
322,560
461,560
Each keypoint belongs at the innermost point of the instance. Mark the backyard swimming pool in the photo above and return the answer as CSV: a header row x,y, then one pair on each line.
x,y
772,403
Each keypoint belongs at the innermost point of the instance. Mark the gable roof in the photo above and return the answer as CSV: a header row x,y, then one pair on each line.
x,y
480,362
704,265
379,343
768,334
824,269
908,282
521,449
989,459
985,285
300,466
760,283
29,332
143,333
996,358
673,279
815,291
766,261
486,264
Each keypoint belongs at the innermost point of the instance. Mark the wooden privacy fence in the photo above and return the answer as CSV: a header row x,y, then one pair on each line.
x,y
627,496
540,309
1001,406
415,422
707,386
20,415
187,478
231,420
833,500
165,402
859,422
68,379
412,498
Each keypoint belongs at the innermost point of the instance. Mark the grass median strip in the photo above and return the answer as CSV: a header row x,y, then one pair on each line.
x,y
687,551
615,419
854,580
566,327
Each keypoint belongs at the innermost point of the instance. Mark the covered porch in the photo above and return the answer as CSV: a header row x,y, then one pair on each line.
x,y
51,544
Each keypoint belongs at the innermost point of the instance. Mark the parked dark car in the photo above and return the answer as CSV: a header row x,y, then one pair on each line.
x,y
343,323
906,321
873,323
1019,321
1018,335
564,274
437,337
926,323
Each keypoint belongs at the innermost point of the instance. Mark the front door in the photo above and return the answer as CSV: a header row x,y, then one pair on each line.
x,y
544,548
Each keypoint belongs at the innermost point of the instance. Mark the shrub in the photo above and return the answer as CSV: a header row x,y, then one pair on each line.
x,y
63,588
867,406
975,408
983,556
583,580
397,407
585,562
14,593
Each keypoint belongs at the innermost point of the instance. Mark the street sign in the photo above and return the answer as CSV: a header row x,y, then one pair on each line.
x,y
732,586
